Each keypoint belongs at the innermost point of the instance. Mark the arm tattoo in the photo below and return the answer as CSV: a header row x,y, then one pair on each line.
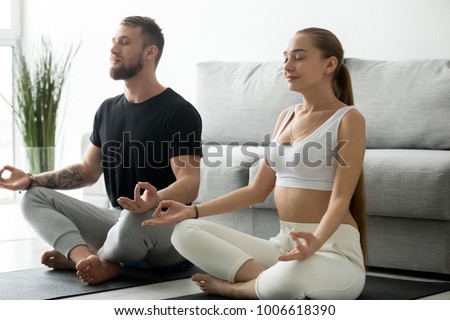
x,y
67,178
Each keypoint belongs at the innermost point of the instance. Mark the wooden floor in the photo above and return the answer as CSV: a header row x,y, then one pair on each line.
x,y
21,249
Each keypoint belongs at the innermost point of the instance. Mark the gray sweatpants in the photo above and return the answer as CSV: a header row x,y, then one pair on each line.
x,y
117,235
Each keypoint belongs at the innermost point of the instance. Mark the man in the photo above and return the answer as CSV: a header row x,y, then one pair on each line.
x,y
147,139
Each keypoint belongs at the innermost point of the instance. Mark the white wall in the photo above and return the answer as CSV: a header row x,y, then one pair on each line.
x,y
198,30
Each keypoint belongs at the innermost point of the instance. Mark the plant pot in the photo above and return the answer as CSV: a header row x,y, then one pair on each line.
x,y
39,159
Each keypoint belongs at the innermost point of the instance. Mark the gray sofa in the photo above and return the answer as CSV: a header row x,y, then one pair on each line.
x,y
407,165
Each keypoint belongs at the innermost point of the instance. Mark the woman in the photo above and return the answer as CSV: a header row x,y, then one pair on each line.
x,y
319,195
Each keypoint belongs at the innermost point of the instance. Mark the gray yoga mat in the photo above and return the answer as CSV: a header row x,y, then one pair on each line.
x,y
42,283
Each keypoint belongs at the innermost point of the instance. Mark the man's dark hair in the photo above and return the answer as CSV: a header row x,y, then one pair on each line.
x,y
151,32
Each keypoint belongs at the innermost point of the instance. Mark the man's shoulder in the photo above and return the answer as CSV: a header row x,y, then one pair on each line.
x,y
108,104
177,102
113,100
174,97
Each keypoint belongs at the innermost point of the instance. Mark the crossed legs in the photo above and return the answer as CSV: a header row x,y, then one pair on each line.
x,y
233,260
244,267
75,229
92,240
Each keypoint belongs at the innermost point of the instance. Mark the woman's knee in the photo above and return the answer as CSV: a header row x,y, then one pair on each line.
x,y
312,279
184,232
279,282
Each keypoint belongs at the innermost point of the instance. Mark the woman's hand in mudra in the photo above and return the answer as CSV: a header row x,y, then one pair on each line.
x,y
305,246
175,212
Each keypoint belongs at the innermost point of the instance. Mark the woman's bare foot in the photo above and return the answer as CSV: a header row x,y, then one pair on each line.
x,y
93,270
56,260
215,286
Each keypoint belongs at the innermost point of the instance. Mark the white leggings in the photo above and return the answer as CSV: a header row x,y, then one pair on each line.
x,y
336,271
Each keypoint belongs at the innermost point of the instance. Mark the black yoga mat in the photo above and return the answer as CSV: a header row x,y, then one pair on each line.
x,y
382,288
47,284
42,283
376,288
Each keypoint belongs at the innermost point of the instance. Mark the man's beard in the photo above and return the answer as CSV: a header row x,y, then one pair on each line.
x,y
123,72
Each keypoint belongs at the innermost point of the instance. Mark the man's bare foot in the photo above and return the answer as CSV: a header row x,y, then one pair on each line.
x,y
215,286
56,260
93,270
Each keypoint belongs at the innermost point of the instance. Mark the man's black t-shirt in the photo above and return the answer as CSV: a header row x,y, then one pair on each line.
x,y
139,139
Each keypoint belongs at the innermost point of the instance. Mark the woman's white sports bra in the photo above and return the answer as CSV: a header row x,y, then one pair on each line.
x,y
310,163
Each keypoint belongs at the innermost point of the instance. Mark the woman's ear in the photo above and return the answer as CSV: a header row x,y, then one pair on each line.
x,y
331,65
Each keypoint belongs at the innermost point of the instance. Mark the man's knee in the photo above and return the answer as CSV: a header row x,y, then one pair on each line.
x,y
128,227
128,240
31,198
129,220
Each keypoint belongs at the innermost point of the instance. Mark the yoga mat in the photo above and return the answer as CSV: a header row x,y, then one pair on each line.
x,y
47,284
376,288
43,283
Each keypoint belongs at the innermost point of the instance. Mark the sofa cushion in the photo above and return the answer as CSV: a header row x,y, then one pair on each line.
x,y
401,183
406,103
225,168
241,101
408,183
409,244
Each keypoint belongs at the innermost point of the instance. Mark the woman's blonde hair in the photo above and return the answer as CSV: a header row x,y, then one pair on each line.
x,y
330,46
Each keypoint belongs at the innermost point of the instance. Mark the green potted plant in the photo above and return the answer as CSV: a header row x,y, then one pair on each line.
x,y
37,95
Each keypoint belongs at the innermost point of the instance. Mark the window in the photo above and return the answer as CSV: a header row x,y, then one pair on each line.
x,y
9,22
9,35
5,14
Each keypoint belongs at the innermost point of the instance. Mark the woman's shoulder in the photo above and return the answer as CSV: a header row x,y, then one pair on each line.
x,y
282,116
353,115
353,120
286,111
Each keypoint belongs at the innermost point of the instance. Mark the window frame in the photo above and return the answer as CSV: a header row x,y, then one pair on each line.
x,y
10,37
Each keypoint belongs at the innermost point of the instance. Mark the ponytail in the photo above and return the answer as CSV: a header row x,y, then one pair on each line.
x,y
358,210
342,85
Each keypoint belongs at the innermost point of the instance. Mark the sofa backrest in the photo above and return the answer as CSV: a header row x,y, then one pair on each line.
x,y
240,101
406,103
